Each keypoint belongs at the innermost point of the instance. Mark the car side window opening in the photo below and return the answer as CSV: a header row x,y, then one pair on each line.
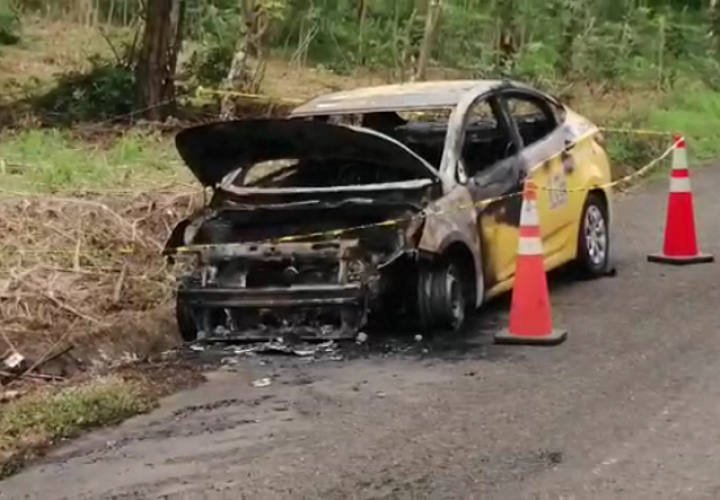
x,y
423,132
533,116
486,140
384,122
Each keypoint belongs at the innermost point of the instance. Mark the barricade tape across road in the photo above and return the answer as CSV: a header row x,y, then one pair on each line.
x,y
636,131
469,206
201,91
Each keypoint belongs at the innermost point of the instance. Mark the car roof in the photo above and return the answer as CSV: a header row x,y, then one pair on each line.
x,y
398,97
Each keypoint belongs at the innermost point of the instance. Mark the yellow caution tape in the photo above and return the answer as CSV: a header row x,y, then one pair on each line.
x,y
200,91
636,131
192,249
396,222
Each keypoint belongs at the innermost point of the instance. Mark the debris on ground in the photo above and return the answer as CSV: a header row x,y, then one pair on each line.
x,y
82,266
7,396
50,366
13,362
263,382
274,347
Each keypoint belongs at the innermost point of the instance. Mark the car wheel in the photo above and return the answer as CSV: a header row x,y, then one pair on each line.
x,y
442,300
185,321
594,238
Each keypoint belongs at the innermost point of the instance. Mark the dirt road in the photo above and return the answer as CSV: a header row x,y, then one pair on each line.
x,y
627,408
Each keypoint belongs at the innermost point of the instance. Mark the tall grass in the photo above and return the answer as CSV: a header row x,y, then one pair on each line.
x,y
50,160
695,114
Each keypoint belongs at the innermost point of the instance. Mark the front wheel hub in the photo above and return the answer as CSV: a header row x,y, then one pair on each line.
x,y
596,235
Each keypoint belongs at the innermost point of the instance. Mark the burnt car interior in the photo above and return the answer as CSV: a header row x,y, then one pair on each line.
x,y
486,141
535,117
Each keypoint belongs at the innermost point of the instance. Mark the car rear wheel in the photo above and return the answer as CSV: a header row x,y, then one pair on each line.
x,y
441,297
594,238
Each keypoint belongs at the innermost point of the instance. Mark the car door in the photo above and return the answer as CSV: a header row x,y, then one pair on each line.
x,y
491,168
543,151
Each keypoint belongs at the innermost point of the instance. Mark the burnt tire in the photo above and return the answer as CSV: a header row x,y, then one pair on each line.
x,y
593,252
441,297
187,328
184,318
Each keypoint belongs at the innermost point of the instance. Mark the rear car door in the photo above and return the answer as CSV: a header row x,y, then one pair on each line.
x,y
543,153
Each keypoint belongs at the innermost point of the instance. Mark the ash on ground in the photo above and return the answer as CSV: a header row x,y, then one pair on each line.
x,y
293,351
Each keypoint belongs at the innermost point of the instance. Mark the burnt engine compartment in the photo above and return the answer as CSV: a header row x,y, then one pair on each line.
x,y
320,283
306,223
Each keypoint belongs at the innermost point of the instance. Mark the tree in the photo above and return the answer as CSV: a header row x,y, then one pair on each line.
x,y
432,15
247,67
157,61
714,16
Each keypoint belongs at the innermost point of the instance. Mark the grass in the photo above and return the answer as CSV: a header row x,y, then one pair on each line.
x,y
49,47
54,160
693,112
31,423
696,114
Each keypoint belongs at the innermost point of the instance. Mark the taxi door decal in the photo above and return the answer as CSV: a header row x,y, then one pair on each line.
x,y
558,193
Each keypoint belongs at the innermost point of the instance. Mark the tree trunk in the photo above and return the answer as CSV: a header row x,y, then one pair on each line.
x,y
247,67
157,61
569,13
432,14
714,31
506,44
362,21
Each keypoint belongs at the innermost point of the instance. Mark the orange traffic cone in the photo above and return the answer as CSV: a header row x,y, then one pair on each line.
x,y
681,245
530,317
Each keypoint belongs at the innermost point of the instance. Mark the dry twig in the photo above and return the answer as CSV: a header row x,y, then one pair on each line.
x,y
66,262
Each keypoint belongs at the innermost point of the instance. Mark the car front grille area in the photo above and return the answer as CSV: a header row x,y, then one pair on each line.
x,y
274,274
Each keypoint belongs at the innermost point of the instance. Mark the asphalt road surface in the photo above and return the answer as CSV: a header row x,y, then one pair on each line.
x,y
628,407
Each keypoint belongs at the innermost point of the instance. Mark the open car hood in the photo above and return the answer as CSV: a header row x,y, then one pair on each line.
x,y
213,150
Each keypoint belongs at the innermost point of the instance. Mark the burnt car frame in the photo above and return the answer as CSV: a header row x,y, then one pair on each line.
x,y
315,228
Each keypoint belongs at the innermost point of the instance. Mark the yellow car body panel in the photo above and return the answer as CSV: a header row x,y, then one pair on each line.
x,y
564,182
566,164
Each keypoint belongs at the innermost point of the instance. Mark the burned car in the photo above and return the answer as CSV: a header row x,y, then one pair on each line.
x,y
383,202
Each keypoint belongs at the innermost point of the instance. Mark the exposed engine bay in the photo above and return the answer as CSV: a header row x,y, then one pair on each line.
x,y
295,246
318,283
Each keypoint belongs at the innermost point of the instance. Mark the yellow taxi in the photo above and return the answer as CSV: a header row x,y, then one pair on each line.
x,y
395,200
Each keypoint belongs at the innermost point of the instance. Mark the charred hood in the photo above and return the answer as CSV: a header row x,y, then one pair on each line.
x,y
212,151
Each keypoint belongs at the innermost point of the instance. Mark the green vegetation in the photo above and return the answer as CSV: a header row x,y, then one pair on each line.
x,y
51,415
55,160
696,114
9,24
624,63
651,42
